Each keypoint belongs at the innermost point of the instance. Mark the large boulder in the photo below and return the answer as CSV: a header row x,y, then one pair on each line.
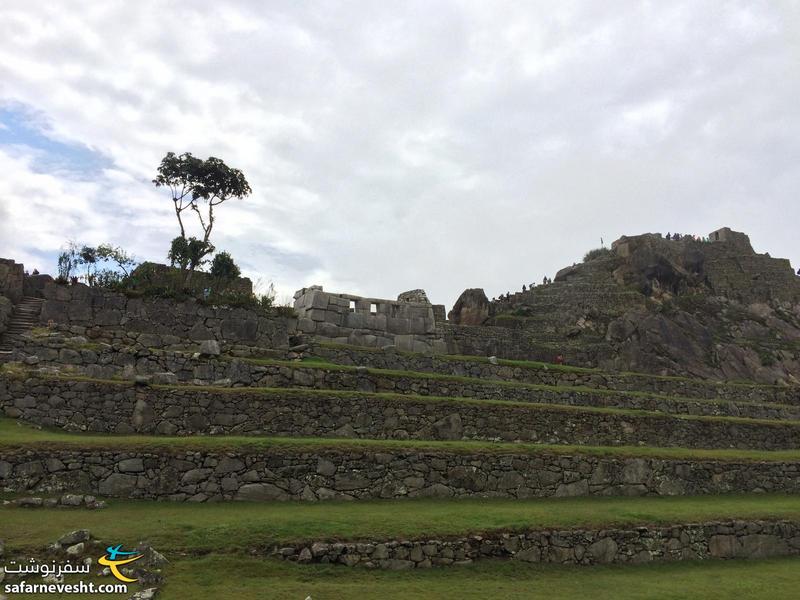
x,y
471,308
414,296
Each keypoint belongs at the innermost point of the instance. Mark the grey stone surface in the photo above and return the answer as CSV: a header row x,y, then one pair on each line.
x,y
729,539
124,408
325,473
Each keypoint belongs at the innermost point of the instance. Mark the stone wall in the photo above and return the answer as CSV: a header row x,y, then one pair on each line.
x,y
517,344
553,376
409,323
121,408
6,308
271,471
156,275
627,545
139,351
103,314
104,362
12,275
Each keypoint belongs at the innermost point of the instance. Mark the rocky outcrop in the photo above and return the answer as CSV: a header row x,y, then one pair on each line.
x,y
417,295
706,307
471,308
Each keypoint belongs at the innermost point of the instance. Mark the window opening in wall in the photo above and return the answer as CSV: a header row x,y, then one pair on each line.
x,y
373,308
352,306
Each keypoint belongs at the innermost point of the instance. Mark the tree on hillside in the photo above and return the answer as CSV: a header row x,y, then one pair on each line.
x,y
223,266
106,265
188,254
200,186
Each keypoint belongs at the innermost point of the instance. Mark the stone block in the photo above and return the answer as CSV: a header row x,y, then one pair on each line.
x,y
404,343
259,492
306,325
398,325
316,299
210,348
328,330
317,314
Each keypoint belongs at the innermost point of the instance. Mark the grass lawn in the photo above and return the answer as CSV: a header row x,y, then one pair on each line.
x,y
253,579
238,526
210,548
240,577
14,434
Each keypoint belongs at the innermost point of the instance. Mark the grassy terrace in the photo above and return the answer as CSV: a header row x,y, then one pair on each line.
x,y
252,579
536,365
265,393
209,545
16,371
533,387
215,576
240,526
17,435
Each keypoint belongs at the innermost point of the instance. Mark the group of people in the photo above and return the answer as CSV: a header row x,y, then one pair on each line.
x,y
507,296
677,237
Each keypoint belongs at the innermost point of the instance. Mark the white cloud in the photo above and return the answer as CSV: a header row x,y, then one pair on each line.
x,y
443,145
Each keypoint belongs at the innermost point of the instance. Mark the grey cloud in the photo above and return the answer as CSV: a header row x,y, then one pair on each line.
x,y
439,146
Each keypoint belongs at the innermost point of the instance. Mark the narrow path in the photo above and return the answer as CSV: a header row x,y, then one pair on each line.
x,y
23,319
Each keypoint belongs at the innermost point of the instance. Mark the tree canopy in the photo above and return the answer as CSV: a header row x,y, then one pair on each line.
x,y
197,185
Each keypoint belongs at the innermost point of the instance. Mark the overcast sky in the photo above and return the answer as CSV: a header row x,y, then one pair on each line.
x,y
392,146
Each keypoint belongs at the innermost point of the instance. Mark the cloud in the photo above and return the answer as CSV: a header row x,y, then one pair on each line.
x,y
399,146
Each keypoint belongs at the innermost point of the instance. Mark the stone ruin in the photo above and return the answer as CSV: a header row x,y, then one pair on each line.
x,y
648,304
408,323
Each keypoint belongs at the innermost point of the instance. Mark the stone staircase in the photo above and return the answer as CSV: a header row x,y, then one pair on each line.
x,y
24,318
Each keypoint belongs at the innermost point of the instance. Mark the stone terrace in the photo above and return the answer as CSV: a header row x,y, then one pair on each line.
x,y
215,407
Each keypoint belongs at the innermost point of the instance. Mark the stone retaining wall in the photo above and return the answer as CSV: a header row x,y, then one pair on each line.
x,y
318,472
12,275
670,386
106,362
517,344
123,408
627,545
6,309
101,314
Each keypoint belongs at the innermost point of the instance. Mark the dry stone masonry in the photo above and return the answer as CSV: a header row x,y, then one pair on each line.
x,y
632,545
124,408
277,471
390,409
409,323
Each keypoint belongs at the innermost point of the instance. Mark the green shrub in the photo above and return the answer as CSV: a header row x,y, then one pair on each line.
x,y
596,254
223,267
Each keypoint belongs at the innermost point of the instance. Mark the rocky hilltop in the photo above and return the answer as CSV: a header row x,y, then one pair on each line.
x,y
710,308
